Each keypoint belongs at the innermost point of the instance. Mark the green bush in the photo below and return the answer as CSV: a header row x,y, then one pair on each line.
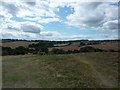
x,y
6,51
41,49
76,51
89,49
21,50
57,51
113,50
16,51
42,44
69,52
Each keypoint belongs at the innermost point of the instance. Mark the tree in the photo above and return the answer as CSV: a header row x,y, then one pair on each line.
x,y
6,50
76,51
57,51
89,49
69,52
42,49
21,50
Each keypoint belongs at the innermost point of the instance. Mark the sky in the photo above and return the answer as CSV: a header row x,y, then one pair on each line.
x,y
59,19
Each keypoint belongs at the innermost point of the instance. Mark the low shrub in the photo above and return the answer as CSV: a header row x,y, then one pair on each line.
x,y
58,51
90,49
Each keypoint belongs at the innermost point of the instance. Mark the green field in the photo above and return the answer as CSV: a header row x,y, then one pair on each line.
x,y
61,45
83,70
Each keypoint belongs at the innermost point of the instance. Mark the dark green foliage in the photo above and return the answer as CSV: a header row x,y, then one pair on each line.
x,y
93,43
112,50
42,44
34,52
4,53
89,49
41,49
17,51
83,49
57,51
98,50
61,51
31,50
6,50
76,51
69,52
81,43
21,50
42,53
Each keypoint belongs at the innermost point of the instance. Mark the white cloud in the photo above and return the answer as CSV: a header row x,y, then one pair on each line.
x,y
4,17
19,35
35,10
27,26
111,25
53,36
43,20
50,35
92,14
30,27
97,15
58,36
22,9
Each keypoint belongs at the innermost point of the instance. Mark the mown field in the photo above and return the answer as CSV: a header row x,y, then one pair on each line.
x,y
82,70
72,46
107,46
17,44
61,45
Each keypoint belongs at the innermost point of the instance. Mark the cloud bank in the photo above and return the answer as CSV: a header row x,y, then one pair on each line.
x,y
95,15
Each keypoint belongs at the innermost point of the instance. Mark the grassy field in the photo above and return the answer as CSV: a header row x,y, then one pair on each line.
x,y
61,45
83,70
107,46
72,46
17,44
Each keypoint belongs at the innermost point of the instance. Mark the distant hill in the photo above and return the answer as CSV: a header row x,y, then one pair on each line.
x,y
17,43
75,44
72,46
113,45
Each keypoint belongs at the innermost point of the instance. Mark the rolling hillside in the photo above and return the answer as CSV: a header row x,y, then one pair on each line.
x,y
17,43
112,45
104,46
107,46
74,45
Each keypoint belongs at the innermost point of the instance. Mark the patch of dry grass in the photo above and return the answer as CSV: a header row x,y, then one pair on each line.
x,y
82,70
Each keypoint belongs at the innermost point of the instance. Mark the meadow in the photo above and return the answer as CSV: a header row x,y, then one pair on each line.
x,y
80,70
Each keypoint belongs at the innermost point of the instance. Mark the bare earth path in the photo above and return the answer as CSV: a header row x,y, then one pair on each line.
x,y
99,76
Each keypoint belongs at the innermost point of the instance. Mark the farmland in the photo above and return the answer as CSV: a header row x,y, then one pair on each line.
x,y
17,43
61,45
72,46
65,46
81,70
104,46
107,46
60,64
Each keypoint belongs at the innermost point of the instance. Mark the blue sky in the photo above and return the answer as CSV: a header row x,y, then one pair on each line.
x,y
59,20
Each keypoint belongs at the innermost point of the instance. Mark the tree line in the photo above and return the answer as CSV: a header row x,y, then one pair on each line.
x,y
44,50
